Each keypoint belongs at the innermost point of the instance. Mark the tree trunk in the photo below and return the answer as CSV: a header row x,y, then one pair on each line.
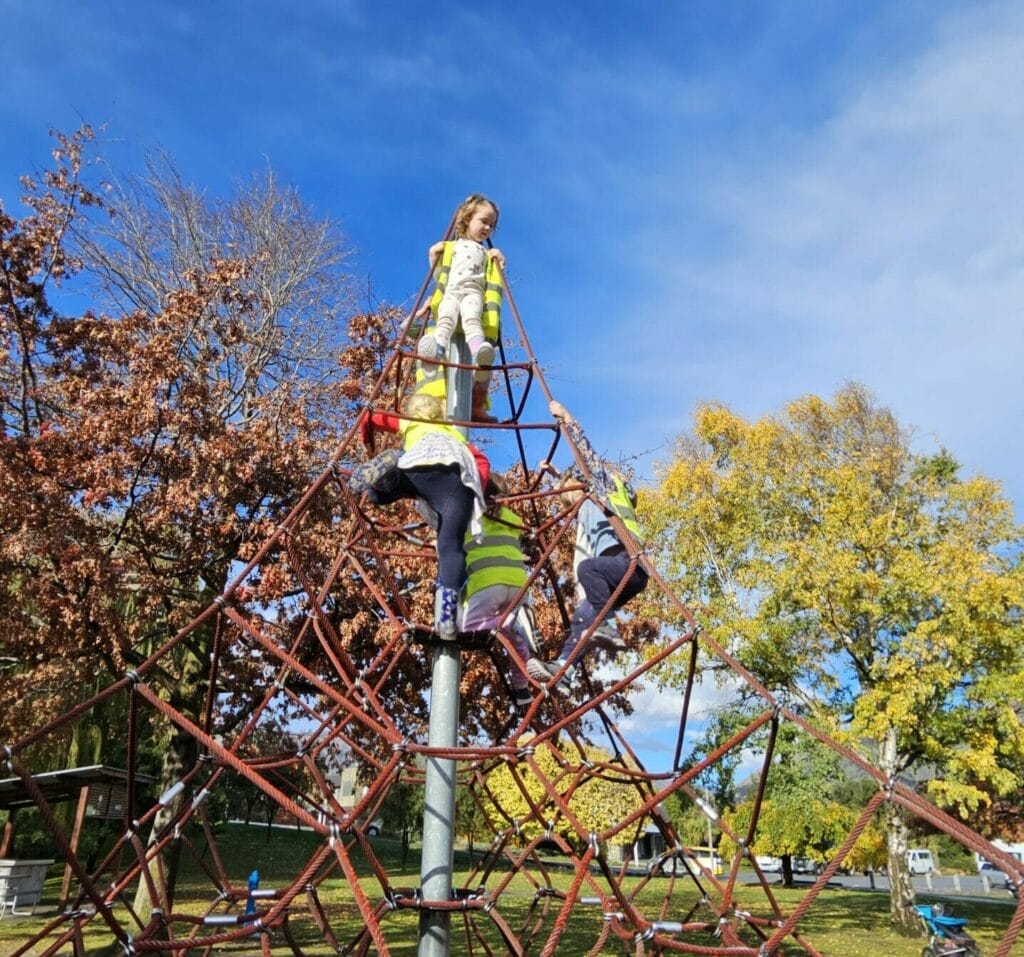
x,y
181,755
902,914
787,870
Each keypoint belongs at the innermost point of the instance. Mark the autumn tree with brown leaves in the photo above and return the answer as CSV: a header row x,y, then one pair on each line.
x,y
146,451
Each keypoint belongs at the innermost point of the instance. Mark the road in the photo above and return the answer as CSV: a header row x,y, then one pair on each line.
x,y
969,885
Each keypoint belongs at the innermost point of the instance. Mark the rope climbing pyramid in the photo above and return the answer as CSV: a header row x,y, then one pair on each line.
x,y
334,628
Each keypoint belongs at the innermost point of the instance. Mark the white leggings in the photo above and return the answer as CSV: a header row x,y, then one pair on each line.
x,y
467,302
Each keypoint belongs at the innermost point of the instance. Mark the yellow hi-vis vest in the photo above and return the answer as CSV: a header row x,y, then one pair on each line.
x,y
497,558
431,378
622,502
412,432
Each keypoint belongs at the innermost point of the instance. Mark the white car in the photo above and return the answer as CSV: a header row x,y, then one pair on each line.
x,y
770,865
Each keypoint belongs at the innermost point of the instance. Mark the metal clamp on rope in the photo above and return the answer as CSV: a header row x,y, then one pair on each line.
x,y
667,926
171,794
133,676
128,944
593,842
221,920
220,601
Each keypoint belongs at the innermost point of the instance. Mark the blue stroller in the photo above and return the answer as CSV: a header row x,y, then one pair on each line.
x,y
947,935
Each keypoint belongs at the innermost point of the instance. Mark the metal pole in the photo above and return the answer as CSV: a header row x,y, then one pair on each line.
x,y
437,860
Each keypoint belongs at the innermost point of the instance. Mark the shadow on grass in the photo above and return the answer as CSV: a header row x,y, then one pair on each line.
x,y
840,922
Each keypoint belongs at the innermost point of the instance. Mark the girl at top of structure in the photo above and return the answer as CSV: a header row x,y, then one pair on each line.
x,y
463,297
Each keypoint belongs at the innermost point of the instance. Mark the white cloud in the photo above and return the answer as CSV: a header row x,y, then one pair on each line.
x,y
883,245
653,727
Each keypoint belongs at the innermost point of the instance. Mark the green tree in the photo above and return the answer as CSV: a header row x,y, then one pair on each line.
x,y
873,585
402,812
801,818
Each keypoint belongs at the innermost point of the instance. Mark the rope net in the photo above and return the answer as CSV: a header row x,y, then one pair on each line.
x,y
329,629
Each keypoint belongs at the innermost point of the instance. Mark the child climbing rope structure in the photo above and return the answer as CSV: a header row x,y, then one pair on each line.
x,y
335,621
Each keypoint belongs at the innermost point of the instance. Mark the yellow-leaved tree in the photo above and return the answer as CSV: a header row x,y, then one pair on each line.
x,y
870,583
597,801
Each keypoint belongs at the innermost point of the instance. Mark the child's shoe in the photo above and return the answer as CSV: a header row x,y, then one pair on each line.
x,y
606,636
484,355
544,671
380,472
522,698
480,413
446,612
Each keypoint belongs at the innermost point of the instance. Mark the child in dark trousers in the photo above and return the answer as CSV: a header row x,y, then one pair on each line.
x,y
439,466
602,563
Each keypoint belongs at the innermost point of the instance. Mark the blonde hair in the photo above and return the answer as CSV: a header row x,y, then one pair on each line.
x,y
466,211
421,405
571,497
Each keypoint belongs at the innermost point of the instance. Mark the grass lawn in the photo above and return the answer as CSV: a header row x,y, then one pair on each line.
x,y
840,922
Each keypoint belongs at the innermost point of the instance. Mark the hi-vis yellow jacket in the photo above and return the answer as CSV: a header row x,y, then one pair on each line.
x,y
497,558
430,378
623,503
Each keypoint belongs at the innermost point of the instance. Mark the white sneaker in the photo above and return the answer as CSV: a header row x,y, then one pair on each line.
x,y
484,355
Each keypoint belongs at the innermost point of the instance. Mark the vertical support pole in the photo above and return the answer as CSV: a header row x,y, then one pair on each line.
x,y
7,841
438,857
76,835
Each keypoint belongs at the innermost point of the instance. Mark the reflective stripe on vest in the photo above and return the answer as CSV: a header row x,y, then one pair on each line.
x,y
497,559
431,379
494,289
621,501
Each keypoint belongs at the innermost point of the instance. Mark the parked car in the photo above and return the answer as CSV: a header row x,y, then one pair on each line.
x,y
374,828
770,865
805,865
920,861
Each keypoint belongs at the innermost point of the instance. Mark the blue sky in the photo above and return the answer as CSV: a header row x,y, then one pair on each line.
x,y
741,201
